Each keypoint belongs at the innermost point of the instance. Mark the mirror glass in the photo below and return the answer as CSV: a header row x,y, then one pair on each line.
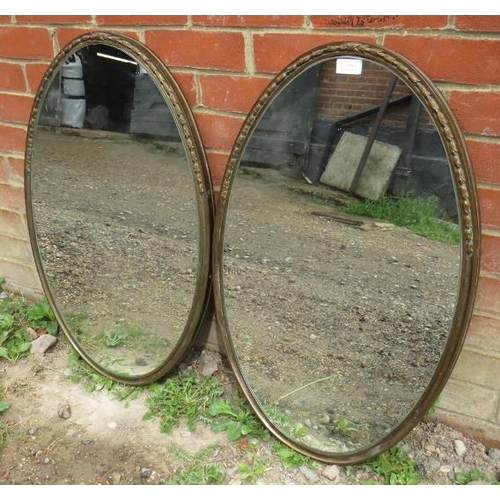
x,y
340,246
120,221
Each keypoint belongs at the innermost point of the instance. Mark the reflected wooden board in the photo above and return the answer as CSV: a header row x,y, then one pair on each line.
x,y
380,165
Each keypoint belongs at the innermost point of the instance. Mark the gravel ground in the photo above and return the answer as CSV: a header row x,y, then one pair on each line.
x,y
355,311
332,317
117,230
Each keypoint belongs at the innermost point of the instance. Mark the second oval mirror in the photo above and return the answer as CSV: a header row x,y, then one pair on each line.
x,y
347,251
119,207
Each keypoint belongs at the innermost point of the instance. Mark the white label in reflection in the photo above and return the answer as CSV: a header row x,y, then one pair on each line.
x,y
348,66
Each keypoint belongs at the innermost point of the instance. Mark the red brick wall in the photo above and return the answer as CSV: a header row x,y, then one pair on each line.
x,y
341,96
222,63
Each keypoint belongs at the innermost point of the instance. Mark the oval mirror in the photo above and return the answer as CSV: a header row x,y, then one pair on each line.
x,y
119,207
346,251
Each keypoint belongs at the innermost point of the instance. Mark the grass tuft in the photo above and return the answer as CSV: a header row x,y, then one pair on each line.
x,y
395,467
420,215
16,315
185,394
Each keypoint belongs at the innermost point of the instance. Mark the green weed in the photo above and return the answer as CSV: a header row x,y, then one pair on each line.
x,y
292,458
81,372
15,342
115,337
121,334
395,467
417,214
196,469
3,404
236,418
467,477
4,428
200,399
183,395
346,427
433,408
15,317
41,317
250,472
199,474
286,423
343,428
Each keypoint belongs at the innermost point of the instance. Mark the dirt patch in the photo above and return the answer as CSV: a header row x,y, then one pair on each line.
x,y
105,441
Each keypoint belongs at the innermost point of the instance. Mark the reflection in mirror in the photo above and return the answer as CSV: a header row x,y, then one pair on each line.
x,y
341,261
120,226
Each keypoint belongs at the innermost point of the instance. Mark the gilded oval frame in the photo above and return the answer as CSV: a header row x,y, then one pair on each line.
x,y
196,157
464,184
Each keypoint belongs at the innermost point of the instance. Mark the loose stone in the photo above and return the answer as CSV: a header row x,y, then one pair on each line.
x,y
459,447
145,472
331,472
64,411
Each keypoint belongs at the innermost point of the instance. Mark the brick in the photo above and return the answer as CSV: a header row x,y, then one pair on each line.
x,y
11,197
488,295
231,93
5,19
12,138
187,84
141,20
489,207
199,49
12,224
15,108
66,35
484,334
11,169
250,21
35,73
484,157
478,369
217,131
273,51
25,43
14,248
477,112
451,59
19,274
469,399
478,429
217,164
51,19
383,21
4,170
17,168
490,253
12,77
478,23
